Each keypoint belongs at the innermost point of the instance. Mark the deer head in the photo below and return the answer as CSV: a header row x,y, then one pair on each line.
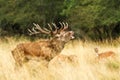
x,y
60,34
96,50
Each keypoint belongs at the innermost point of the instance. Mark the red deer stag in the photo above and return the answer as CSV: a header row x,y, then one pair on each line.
x,y
46,49
104,54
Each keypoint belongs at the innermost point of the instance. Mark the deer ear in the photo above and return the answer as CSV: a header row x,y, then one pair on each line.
x,y
71,32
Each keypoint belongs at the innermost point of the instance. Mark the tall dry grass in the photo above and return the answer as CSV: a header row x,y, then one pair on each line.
x,y
85,66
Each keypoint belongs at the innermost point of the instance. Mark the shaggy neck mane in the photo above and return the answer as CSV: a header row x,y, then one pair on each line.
x,y
57,45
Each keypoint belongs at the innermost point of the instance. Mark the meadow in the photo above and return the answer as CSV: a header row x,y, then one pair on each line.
x,y
83,67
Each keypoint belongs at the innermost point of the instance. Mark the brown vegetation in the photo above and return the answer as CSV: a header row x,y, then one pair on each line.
x,y
104,54
70,58
61,59
86,68
46,49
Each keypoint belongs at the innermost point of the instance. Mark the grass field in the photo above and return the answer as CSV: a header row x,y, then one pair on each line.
x,y
83,67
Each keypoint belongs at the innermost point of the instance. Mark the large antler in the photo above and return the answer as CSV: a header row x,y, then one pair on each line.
x,y
37,29
64,26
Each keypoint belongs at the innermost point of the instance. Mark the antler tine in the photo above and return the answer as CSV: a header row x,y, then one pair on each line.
x,y
54,32
33,31
54,25
50,26
46,29
30,32
40,29
65,26
61,26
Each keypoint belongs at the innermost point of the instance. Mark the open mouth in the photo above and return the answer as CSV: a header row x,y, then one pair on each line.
x,y
72,34
72,37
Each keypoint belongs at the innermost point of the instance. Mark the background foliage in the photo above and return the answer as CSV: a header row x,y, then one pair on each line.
x,y
90,19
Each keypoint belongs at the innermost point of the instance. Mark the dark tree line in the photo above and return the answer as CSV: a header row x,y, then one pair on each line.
x,y
90,19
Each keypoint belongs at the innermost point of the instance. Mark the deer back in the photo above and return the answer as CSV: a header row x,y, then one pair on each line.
x,y
106,54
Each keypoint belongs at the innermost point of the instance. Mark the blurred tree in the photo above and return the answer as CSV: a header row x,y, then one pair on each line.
x,y
91,16
24,13
95,19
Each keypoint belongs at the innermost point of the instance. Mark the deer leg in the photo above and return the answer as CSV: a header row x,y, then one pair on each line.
x,y
18,57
